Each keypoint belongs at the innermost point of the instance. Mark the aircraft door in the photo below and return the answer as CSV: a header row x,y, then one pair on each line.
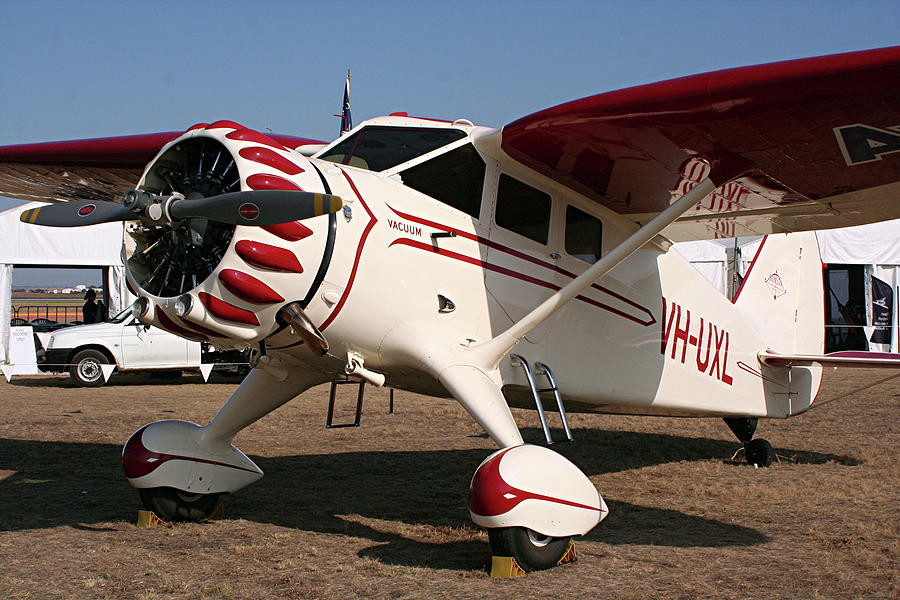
x,y
521,263
582,239
619,295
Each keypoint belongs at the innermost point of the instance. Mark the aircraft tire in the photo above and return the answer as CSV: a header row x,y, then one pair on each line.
x,y
532,551
170,504
86,370
759,453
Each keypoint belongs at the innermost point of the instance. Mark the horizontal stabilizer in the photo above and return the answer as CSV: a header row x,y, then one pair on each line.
x,y
835,359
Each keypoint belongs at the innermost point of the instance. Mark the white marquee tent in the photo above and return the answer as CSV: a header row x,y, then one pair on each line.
x,y
709,258
29,245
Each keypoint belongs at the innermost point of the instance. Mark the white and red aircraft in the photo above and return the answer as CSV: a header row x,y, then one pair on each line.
x,y
451,259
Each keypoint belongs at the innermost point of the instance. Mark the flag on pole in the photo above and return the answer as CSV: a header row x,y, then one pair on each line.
x,y
346,121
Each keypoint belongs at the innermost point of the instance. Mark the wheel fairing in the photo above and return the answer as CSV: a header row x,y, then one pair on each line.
x,y
534,487
168,454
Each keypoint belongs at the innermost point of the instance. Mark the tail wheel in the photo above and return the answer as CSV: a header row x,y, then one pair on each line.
x,y
532,551
170,504
759,453
87,369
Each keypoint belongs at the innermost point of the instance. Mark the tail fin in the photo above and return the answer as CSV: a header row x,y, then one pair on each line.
x,y
782,294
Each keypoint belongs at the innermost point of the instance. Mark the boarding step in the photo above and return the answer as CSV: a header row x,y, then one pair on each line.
x,y
544,370
332,397
329,421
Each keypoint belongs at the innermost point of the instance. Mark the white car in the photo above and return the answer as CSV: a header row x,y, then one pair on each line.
x,y
130,346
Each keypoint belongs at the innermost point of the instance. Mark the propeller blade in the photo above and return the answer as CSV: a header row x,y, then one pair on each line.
x,y
77,214
257,207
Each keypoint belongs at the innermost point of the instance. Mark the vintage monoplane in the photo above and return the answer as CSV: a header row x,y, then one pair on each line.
x,y
451,259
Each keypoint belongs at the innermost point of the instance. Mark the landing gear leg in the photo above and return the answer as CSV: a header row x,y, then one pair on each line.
x,y
758,452
181,469
561,500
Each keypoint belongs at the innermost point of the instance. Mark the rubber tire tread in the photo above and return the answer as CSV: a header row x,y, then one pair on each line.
x,y
760,453
514,542
169,505
82,355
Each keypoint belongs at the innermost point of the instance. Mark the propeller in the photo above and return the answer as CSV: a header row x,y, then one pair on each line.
x,y
249,207
77,213
256,207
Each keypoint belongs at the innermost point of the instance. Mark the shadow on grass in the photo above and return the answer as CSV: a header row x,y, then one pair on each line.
x,y
81,485
597,451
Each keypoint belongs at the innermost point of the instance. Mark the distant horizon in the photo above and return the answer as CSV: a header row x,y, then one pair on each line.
x,y
56,277
76,289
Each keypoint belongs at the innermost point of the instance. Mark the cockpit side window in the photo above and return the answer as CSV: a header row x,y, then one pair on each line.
x,y
523,209
455,178
377,148
584,234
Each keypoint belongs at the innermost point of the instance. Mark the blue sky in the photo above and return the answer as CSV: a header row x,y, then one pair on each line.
x,y
92,69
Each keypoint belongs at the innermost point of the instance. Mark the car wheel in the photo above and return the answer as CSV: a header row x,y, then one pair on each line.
x,y
87,370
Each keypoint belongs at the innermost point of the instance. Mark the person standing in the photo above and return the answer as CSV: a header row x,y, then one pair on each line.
x,y
89,310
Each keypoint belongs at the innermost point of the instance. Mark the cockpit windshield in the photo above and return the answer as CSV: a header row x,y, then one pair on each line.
x,y
377,147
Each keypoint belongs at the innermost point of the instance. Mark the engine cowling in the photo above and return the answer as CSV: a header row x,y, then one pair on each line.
x,y
210,281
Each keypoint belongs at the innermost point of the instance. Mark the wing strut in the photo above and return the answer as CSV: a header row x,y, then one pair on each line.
x,y
489,353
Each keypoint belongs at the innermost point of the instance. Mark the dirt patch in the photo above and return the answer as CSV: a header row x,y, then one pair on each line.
x,y
380,511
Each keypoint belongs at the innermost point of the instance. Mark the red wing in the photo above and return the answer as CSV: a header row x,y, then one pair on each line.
x,y
96,169
823,135
93,169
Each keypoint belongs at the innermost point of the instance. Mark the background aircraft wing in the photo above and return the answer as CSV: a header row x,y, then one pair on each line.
x,y
92,169
822,135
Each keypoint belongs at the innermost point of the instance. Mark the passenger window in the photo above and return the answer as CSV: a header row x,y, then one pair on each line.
x,y
584,233
377,148
455,178
523,209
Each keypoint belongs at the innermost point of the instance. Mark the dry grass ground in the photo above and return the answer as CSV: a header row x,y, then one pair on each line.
x,y
380,511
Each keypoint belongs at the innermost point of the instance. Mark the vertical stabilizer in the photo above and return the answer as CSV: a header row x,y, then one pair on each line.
x,y
783,299
781,295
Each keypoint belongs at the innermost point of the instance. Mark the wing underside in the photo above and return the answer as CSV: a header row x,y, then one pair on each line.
x,y
95,169
91,169
55,183
822,136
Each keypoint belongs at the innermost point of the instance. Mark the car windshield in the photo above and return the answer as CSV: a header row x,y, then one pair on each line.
x,y
378,147
121,316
